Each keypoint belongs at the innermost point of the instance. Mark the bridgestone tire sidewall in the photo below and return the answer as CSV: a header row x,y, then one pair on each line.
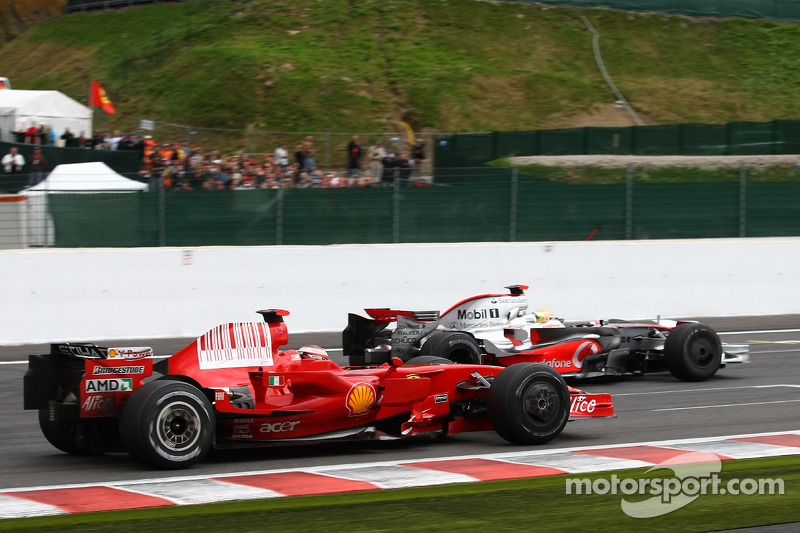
x,y
456,346
139,424
506,403
677,352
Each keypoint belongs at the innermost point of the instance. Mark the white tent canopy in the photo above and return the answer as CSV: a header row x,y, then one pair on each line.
x,y
95,177
21,109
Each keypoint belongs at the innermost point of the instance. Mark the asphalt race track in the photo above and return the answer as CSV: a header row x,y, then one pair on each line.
x,y
762,396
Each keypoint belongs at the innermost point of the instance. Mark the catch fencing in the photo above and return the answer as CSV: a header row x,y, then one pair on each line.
x,y
485,205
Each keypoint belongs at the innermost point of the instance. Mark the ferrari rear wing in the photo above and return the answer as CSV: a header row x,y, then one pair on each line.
x,y
93,351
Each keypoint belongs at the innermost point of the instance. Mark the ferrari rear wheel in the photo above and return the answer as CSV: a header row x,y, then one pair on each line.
x,y
693,352
454,345
69,437
168,424
528,403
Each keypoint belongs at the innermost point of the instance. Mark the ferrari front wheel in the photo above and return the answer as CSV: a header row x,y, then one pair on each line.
x,y
167,424
528,403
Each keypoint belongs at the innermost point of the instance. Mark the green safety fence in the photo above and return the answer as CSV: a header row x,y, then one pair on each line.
x,y
788,10
509,207
735,138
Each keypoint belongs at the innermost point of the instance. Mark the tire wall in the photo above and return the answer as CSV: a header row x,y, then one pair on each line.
x,y
98,294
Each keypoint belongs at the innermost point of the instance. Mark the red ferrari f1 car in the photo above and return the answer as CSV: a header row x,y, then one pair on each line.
x,y
232,387
498,329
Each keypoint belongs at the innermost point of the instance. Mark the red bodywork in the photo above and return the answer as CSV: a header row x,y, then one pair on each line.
x,y
297,394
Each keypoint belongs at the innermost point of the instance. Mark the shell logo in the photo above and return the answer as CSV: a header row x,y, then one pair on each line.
x,y
360,398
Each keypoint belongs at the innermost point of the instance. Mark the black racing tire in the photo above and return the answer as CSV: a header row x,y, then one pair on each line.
x,y
167,424
69,437
456,346
429,360
528,403
693,352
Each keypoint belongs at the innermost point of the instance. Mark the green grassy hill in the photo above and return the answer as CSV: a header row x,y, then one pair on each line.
x,y
448,66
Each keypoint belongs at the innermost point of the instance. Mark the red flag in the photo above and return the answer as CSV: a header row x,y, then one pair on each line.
x,y
98,97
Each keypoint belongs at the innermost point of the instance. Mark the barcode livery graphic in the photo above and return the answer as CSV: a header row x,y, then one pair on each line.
x,y
235,345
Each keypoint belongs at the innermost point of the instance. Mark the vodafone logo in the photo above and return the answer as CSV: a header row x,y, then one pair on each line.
x,y
584,349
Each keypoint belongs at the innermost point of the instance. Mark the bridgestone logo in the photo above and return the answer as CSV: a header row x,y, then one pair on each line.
x,y
105,370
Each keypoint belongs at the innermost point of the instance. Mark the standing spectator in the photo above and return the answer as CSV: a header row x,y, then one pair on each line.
x,y
281,156
83,142
387,179
113,141
69,138
310,163
354,155
418,155
126,143
13,161
48,136
99,141
300,156
37,167
156,172
32,135
376,154
403,166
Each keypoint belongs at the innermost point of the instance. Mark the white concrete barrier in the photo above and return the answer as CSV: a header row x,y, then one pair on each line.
x,y
92,294
13,221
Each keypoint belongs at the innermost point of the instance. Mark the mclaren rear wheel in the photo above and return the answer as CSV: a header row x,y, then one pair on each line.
x,y
453,345
693,352
528,403
429,360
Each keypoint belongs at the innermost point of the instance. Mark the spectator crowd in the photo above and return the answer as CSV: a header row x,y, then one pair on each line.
x,y
180,165
183,166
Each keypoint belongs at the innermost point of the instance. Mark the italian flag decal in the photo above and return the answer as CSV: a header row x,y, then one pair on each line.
x,y
276,381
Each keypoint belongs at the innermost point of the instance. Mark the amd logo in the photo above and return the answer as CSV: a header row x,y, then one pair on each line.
x,y
109,385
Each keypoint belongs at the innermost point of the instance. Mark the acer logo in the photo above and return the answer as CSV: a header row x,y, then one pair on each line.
x,y
278,427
